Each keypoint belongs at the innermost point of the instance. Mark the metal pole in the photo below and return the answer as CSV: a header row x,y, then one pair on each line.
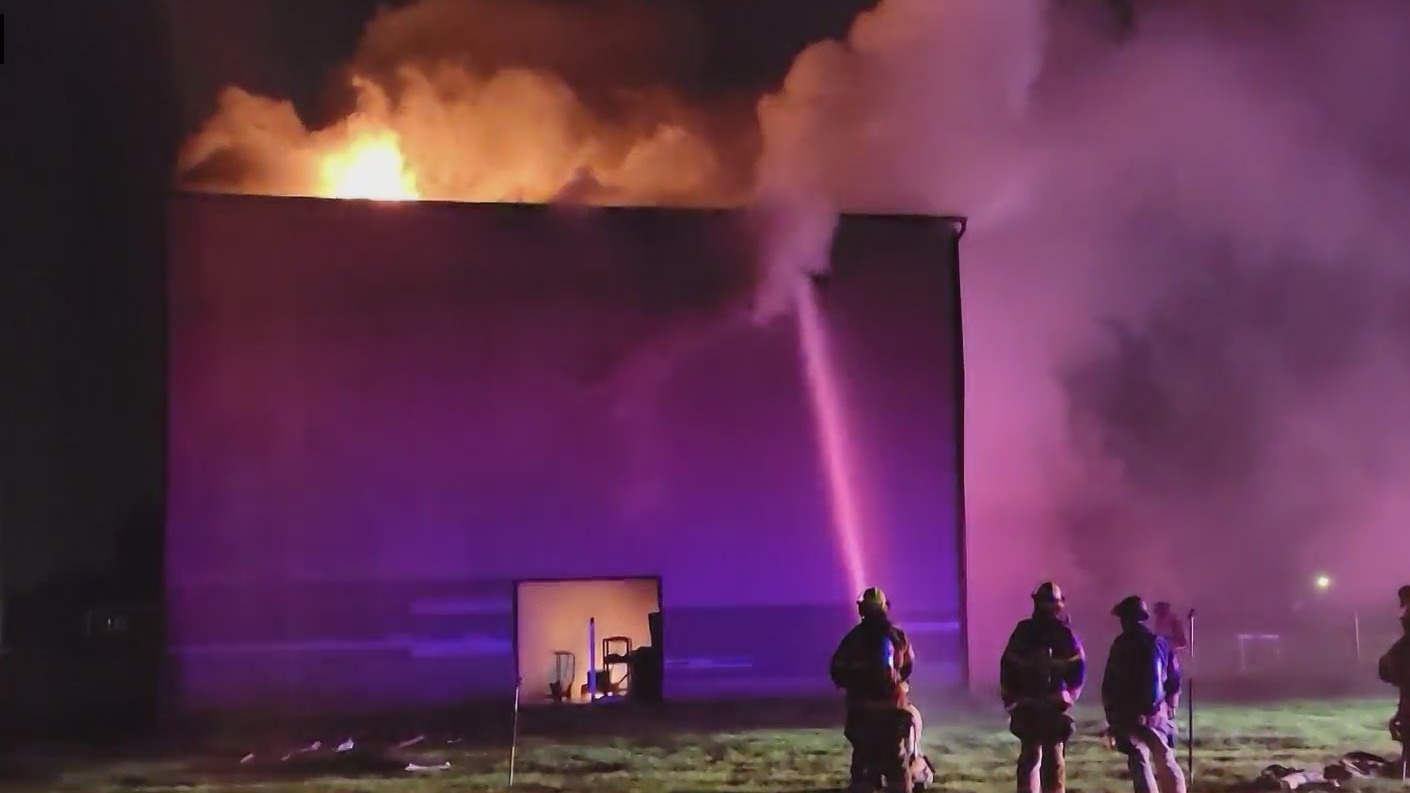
x,y
1190,704
514,733
1356,621
592,660
960,225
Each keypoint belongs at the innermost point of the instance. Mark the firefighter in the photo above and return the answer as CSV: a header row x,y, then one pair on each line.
x,y
872,664
1141,695
1167,624
1041,675
1394,668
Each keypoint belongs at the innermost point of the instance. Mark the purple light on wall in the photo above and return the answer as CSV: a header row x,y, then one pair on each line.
x,y
380,416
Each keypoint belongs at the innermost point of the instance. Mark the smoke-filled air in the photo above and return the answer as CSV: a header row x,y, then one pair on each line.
x,y
1187,306
1187,314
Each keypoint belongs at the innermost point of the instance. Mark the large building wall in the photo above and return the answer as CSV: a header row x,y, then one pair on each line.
x,y
382,415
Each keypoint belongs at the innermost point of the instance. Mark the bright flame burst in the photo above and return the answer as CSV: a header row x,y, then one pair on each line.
x,y
370,167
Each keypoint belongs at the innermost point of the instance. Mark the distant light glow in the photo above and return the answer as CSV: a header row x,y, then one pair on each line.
x,y
831,427
1322,582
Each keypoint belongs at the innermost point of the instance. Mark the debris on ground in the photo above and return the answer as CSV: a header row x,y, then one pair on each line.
x,y
310,749
1286,778
350,757
1351,766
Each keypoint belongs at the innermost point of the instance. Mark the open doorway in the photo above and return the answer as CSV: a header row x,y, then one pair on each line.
x,y
563,629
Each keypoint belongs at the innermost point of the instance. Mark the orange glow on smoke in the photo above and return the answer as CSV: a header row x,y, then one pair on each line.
x,y
444,134
370,167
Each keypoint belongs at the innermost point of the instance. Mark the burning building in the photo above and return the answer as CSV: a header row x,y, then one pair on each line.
x,y
419,450
422,440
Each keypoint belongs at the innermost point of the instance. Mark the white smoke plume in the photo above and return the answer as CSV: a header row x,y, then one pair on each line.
x,y
1187,312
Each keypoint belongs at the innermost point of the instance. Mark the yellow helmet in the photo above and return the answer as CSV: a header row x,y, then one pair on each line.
x,y
873,596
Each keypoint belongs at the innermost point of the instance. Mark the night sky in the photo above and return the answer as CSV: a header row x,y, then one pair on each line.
x,y
98,97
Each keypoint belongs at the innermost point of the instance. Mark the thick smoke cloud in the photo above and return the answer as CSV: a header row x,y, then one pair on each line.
x,y
477,98
1185,283
920,110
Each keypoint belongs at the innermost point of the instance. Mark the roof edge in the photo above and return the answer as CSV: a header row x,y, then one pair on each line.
x,y
204,195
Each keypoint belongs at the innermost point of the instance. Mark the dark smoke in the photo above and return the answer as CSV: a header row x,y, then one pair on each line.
x,y
1244,403
624,44
1195,401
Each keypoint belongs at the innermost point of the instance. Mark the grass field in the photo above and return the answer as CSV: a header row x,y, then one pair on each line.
x,y
971,753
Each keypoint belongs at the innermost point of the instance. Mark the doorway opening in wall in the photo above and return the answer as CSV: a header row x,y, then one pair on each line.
x,y
589,640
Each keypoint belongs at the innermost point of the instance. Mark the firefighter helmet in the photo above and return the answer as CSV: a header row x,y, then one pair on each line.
x,y
874,597
1048,592
1132,608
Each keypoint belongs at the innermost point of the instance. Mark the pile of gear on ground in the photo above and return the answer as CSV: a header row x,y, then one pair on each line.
x,y
350,757
1352,766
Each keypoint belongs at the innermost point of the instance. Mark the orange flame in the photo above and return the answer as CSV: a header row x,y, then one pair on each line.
x,y
370,167
444,134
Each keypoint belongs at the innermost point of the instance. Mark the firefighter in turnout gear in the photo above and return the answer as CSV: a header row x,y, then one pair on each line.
x,y
1040,677
1141,694
872,664
1165,622
1394,668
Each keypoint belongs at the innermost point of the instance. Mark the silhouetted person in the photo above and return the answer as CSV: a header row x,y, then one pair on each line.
x,y
1394,668
1124,15
1041,675
1404,595
1141,694
872,664
1169,626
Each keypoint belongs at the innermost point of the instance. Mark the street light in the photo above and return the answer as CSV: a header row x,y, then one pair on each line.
x,y
1323,582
